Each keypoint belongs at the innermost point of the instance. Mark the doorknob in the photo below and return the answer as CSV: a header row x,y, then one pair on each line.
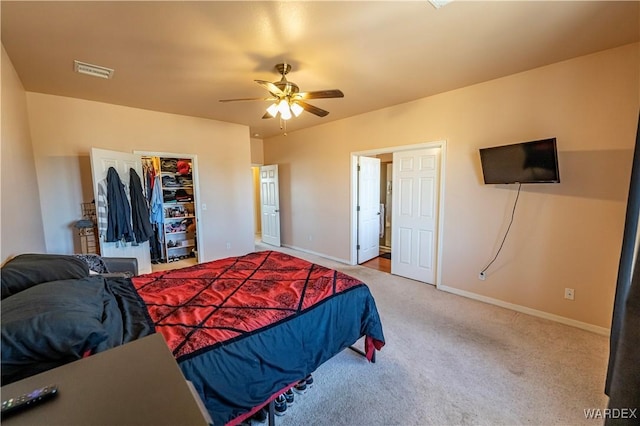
x,y
277,210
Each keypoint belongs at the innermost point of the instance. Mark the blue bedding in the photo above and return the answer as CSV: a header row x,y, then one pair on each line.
x,y
244,328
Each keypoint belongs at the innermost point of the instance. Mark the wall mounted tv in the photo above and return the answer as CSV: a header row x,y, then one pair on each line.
x,y
526,162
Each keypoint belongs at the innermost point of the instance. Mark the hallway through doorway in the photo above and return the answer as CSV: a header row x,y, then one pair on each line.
x,y
381,263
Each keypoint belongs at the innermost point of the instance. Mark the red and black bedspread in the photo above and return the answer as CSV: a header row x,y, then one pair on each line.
x,y
243,328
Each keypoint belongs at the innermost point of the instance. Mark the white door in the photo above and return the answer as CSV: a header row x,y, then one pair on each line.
x,y
416,176
369,219
270,205
101,160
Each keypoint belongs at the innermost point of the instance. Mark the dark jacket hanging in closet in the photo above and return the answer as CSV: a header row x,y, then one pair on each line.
x,y
139,210
119,212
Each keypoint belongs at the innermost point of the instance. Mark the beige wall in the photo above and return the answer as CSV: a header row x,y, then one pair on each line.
x,y
257,159
257,152
256,197
21,230
564,235
65,129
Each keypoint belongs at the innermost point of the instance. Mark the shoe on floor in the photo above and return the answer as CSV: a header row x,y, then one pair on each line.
x,y
280,406
289,397
300,387
309,381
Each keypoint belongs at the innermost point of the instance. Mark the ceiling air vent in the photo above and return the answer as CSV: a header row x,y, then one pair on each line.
x,y
92,70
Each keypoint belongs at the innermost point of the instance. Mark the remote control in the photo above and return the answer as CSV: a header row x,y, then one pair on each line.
x,y
30,399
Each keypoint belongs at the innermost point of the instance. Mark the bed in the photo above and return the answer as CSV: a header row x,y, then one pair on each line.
x,y
242,329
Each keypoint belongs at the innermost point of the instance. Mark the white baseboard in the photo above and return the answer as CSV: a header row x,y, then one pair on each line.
x,y
317,254
529,311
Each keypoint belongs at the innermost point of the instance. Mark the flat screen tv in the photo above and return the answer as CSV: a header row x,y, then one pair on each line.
x,y
526,162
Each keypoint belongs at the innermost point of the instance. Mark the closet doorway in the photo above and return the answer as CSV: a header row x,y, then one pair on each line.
x,y
184,244
171,185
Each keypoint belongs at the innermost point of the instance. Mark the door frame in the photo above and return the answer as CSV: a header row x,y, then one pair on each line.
x,y
196,191
277,174
442,144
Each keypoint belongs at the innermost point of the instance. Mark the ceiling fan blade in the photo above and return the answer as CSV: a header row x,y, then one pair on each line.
x,y
248,99
320,94
267,115
312,109
272,88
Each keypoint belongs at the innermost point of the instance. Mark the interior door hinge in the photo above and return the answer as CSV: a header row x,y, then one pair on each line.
x,y
358,247
358,208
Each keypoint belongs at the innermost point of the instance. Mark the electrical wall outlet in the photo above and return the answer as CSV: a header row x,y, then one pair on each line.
x,y
569,293
482,276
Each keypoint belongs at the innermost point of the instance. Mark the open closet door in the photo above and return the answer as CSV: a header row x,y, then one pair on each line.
x,y
122,162
270,204
368,208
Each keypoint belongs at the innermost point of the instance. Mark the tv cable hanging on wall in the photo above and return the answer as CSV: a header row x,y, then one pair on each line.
x,y
482,275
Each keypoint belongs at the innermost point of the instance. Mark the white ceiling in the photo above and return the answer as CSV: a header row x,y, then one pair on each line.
x,y
182,57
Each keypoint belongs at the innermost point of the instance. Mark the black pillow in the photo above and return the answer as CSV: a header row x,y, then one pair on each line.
x,y
51,324
27,270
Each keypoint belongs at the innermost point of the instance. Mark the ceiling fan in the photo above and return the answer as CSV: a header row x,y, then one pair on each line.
x,y
287,99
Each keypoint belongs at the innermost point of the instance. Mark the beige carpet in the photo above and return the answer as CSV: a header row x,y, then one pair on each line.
x,y
183,263
449,360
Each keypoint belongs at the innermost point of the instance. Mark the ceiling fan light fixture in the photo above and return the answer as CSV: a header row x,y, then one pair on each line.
x,y
286,114
296,109
273,110
283,106
288,100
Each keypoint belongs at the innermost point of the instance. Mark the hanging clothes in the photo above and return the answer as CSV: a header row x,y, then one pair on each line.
x,y
119,211
155,248
156,216
149,174
142,229
102,210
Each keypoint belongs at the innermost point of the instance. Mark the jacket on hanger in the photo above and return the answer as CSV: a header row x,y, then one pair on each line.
x,y
119,212
139,210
